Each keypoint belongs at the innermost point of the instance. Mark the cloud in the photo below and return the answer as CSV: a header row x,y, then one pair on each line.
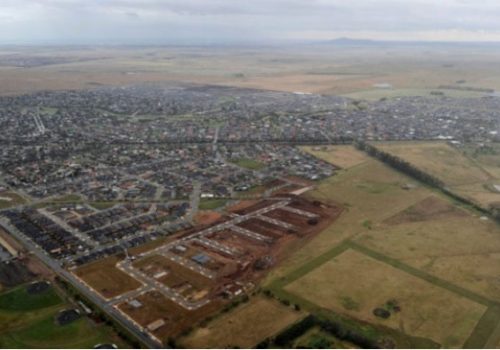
x,y
174,21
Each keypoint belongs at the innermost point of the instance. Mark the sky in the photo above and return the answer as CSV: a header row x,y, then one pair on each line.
x,y
244,21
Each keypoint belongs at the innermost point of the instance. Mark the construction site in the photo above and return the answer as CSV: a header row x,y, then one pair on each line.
x,y
184,280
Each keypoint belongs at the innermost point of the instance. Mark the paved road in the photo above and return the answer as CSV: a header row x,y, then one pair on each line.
x,y
82,288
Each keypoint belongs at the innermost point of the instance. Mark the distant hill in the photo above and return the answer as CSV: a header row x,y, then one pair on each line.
x,y
348,42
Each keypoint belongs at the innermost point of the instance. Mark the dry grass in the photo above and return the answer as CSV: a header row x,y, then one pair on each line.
x,y
440,160
341,156
243,327
106,279
355,284
324,69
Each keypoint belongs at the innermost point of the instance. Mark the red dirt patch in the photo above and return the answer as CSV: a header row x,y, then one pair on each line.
x,y
207,217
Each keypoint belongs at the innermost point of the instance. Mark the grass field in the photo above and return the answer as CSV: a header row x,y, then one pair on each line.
x,y
106,279
336,70
244,326
20,300
341,156
355,284
28,321
247,163
470,174
414,235
210,204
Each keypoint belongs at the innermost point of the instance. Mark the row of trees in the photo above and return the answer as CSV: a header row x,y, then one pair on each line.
x,y
337,328
420,175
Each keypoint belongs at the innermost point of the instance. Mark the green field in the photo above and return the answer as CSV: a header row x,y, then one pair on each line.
x,y
29,321
247,163
210,204
20,300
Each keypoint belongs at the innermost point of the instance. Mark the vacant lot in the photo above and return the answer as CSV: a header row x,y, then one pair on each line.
x,y
356,284
243,327
106,279
341,156
156,306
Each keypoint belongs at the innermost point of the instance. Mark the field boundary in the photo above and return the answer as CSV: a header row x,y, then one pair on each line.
x,y
486,328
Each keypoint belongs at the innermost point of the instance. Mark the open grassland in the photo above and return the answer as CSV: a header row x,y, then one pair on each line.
x,y
470,174
106,278
341,156
336,70
402,227
356,284
364,191
28,321
440,160
244,326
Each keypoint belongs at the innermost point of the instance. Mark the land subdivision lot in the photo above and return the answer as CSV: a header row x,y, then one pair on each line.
x,y
190,284
356,284
392,226
106,278
155,306
244,326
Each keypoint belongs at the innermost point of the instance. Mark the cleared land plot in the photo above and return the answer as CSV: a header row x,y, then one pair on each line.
x,y
294,219
243,244
188,283
156,306
254,207
243,327
106,278
263,228
341,156
355,284
207,217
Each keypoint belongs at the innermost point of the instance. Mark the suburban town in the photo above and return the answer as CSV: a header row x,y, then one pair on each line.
x,y
107,186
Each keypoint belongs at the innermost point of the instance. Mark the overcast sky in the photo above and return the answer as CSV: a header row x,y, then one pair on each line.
x,y
244,21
